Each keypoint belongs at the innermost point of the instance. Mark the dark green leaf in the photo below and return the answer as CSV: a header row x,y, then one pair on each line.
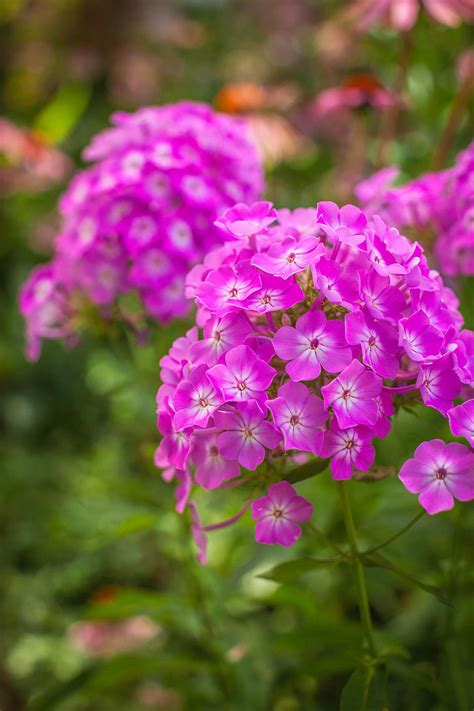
x,y
379,561
306,471
285,572
365,690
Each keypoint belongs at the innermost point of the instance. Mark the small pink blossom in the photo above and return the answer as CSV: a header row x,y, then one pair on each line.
x,y
245,433
349,449
461,421
278,514
244,221
440,473
300,416
378,341
243,377
211,468
419,339
439,384
352,396
346,224
313,344
195,400
288,256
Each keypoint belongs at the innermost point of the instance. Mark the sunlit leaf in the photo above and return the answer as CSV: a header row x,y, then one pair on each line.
x,y
285,572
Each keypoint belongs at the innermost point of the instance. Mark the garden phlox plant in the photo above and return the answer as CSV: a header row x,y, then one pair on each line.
x,y
141,215
439,206
313,328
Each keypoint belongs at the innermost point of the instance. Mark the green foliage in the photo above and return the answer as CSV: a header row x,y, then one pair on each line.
x,y
89,532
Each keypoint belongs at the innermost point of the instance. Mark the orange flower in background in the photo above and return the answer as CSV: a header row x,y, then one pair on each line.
x,y
276,138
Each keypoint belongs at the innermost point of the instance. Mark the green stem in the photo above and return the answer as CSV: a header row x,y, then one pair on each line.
x,y
358,568
403,530
326,540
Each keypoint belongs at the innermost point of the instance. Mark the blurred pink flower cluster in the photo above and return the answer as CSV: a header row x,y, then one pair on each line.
x,y
437,205
313,327
403,14
142,214
105,639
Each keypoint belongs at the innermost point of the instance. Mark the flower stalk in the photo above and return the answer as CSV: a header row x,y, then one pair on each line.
x,y
362,594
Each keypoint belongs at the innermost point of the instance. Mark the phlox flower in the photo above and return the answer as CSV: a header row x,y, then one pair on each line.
x,y
212,469
143,213
243,377
439,384
313,344
419,339
461,421
377,339
245,433
351,395
289,256
300,416
278,514
349,449
292,360
243,221
346,225
439,473
195,399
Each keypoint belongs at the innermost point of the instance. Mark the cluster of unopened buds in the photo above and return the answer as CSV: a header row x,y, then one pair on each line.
x,y
313,328
141,216
438,206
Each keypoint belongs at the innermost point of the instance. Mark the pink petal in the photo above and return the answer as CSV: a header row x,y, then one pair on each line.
x,y
435,497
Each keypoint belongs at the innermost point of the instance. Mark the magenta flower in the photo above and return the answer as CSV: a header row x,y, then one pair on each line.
x,y
243,221
212,469
382,300
313,344
461,421
245,434
338,286
243,377
143,213
440,473
352,394
228,287
300,416
274,295
289,256
220,334
277,513
419,339
375,300
439,384
195,399
346,225
378,341
349,449
174,447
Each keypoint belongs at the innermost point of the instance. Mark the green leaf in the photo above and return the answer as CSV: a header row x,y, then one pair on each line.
x,y
134,524
285,572
60,116
365,690
379,561
306,471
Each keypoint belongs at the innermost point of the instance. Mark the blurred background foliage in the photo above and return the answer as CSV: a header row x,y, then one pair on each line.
x,y
103,605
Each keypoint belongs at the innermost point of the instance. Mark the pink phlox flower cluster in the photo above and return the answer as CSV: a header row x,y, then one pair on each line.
x,y
310,332
439,205
144,212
